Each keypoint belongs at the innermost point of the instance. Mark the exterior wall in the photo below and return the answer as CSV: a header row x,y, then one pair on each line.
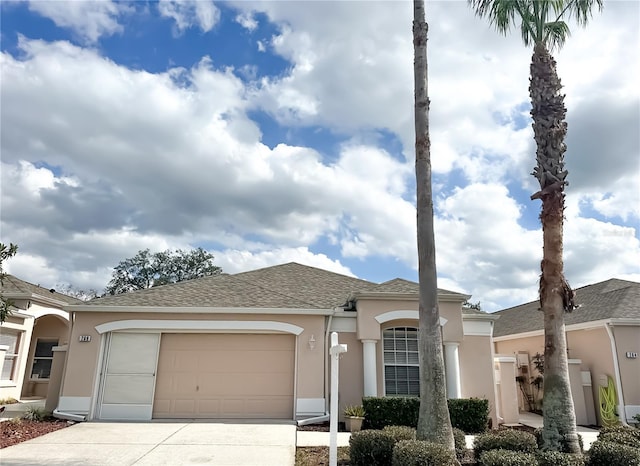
x,y
628,340
47,327
369,309
477,372
79,383
591,346
351,376
13,388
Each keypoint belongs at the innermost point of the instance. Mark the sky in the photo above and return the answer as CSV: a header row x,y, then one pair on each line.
x,y
271,132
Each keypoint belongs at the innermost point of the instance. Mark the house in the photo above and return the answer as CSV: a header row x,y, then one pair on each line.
x,y
37,325
603,340
255,345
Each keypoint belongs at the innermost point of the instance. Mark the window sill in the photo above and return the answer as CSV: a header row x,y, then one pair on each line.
x,y
39,380
7,384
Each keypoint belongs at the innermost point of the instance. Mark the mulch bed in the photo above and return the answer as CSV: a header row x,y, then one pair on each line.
x,y
16,431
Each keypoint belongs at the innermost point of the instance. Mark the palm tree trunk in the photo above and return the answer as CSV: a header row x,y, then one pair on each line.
x,y
556,297
433,421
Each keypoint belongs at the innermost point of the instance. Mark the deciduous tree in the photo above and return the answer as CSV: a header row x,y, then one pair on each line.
x,y
147,269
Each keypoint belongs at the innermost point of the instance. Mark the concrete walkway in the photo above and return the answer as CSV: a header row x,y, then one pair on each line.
x,y
159,443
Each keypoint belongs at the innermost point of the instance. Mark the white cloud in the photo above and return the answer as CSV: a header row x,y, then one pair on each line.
x,y
247,21
233,261
190,13
91,20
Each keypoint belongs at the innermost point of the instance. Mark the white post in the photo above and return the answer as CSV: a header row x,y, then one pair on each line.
x,y
369,367
335,351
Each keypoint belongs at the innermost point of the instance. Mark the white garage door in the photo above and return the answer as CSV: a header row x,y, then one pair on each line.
x,y
129,377
225,376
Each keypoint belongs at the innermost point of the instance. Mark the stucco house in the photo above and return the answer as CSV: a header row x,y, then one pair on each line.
x,y
255,345
603,340
36,326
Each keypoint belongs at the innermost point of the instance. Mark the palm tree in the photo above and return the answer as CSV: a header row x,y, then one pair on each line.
x,y
433,421
543,26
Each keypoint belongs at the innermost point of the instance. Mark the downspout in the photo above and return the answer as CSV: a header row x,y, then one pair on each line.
x,y
616,369
325,416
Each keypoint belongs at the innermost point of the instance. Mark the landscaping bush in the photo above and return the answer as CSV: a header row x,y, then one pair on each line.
x,y
565,448
469,414
421,453
460,441
400,432
371,448
621,438
604,453
391,411
556,458
514,440
620,429
507,458
35,414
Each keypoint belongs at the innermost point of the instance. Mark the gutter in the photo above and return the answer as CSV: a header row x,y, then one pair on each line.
x,y
622,416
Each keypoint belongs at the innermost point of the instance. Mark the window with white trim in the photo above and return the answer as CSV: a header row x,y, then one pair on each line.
x,y
10,338
43,358
401,367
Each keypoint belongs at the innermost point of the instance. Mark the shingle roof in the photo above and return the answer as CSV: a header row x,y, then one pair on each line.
x,y
13,286
286,286
610,299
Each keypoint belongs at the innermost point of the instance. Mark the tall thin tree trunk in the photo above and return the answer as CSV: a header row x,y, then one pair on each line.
x,y
433,422
556,297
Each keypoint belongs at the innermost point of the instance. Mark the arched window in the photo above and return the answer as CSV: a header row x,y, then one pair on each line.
x,y
401,368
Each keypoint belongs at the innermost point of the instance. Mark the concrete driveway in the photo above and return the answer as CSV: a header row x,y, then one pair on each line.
x,y
155,443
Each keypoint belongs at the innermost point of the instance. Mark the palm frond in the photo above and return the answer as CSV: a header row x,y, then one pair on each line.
x,y
556,34
582,10
500,13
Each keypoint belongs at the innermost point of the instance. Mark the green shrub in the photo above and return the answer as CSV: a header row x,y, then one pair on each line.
x,y
400,432
621,438
508,439
469,414
421,453
460,441
620,429
507,458
565,446
34,413
557,458
604,453
371,448
391,411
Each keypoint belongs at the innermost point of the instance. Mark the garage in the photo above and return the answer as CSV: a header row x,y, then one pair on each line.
x,y
216,375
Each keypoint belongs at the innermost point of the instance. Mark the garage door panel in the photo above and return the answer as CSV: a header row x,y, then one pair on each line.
x,y
128,389
225,376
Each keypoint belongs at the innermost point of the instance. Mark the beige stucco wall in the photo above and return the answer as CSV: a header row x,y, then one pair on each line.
x,y
48,327
591,346
476,371
80,382
368,309
351,375
628,340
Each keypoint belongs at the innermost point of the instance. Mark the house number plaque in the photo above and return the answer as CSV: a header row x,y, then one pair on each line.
x,y
84,338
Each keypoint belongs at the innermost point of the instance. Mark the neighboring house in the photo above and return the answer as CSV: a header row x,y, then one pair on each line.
x,y
254,345
37,324
603,340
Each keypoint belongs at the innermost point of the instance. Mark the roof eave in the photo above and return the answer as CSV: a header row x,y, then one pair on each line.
x,y
35,297
196,310
444,297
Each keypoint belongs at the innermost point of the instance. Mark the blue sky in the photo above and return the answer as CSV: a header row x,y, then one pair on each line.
x,y
270,132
